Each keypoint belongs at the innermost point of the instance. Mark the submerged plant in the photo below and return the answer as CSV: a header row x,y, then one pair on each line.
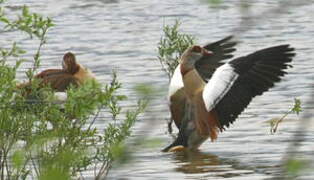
x,y
295,109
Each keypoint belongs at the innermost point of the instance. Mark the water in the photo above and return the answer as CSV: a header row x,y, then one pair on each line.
x,y
123,35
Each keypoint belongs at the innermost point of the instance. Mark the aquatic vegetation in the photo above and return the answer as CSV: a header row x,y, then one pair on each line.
x,y
171,46
44,139
274,123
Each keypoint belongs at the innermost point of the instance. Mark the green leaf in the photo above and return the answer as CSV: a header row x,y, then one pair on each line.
x,y
119,153
295,166
171,46
297,106
5,20
54,173
25,11
18,63
21,51
18,159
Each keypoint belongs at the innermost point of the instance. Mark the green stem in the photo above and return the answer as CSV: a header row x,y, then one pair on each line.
x,y
274,129
37,54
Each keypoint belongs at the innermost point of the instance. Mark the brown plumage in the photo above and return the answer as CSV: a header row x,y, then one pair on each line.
x,y
206,122
59,80
177,106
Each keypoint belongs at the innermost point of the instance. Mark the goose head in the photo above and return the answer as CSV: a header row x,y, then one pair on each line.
x,y
69,63
81,73
191,56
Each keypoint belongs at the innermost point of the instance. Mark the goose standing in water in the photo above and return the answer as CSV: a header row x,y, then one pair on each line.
x,y
207,95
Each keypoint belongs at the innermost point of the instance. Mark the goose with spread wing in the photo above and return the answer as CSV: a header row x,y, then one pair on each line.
x,y
206,95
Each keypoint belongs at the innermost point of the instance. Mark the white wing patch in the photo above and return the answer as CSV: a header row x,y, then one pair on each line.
x,y
217,87
176,82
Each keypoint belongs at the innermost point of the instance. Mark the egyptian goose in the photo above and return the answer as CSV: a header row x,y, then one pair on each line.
x,y
206,95
60,79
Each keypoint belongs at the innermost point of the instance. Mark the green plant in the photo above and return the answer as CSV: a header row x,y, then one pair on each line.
x,y
34,25
44,139
295,109
295,167
171,46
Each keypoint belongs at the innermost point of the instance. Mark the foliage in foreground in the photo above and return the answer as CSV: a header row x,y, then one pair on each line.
x,y
44,139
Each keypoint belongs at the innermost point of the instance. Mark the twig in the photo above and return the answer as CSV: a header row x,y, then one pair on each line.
x,y
274,127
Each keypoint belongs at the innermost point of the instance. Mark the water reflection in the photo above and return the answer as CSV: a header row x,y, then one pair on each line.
x,y
195,162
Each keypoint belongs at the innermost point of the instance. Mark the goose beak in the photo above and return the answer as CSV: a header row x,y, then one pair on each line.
x,y
207,53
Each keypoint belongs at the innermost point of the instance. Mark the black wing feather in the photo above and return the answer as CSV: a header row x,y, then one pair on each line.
x,y
257,73
222,50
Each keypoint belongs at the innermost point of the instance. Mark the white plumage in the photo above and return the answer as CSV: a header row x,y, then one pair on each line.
x,y
220,83
176,82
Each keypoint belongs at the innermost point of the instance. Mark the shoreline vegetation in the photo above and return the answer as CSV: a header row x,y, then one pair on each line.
x,y
43,139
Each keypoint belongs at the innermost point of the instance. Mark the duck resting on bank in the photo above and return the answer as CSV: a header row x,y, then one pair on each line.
x,y
207,95
60,79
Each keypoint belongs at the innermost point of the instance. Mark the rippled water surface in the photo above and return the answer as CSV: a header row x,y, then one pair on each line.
x,y
123,35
